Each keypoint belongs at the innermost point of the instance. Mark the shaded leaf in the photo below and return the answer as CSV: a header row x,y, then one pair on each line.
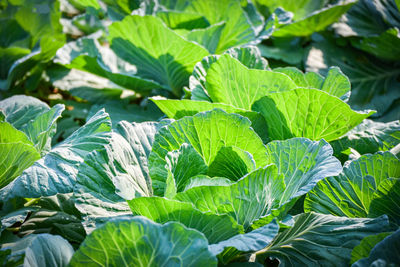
x,y
317,239
385,253
39,250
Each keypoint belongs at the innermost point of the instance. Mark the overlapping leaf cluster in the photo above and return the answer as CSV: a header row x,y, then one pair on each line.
x,y
256,162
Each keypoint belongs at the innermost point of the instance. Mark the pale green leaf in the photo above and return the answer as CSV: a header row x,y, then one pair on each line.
x,y
204,180
178,109
215,228
249,56
252,197
158,53
16,153
140,242
335,83
241,86
207,132
315,21
307,113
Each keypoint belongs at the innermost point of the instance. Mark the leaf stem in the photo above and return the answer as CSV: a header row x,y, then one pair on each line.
x,y
395,150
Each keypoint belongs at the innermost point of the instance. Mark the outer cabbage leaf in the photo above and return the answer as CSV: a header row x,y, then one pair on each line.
x,y
139,241
314,22
86,54
56,171
307,113
141,137
303,163
156,52
376,24
374,83
43,128
369,137
240,86
127,111
249,56
177,109
385,200
335,83
39,250
317,239
353,192
368,18
252,197
161,210
32,36
121,170
300,9
385,46
95,193
56,215
34,118
250,242
239,24
184,163
385,253
207,132
19,110
232,163
85,85
16,154
363,249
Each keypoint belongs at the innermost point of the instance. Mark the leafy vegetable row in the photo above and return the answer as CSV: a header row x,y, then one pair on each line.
x,y
255,163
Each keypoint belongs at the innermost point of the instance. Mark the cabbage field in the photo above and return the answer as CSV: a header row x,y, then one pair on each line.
x,y
200,133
